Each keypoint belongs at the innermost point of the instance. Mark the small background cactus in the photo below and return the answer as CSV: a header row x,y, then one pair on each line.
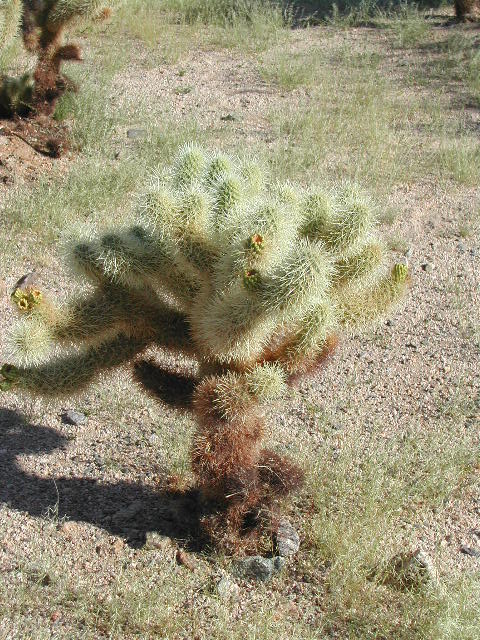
x,y
465,9
252,279
43,23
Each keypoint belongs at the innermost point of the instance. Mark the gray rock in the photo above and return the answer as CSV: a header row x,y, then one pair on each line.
x,y
154,439
136,134
461,247
227,588
156,541
410,571
259,568
288,540
75,418
470,551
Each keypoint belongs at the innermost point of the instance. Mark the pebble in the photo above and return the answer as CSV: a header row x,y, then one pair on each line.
x,y
259,568
136,134
118,546
75,418
227,588
154,439
411,570
288,540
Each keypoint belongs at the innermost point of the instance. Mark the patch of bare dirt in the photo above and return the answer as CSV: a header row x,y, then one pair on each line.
x,y
30,149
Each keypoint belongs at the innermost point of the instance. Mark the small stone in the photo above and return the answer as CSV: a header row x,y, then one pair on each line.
x,y
118,546
259,568
288,540
136,134
426,266
411,570
156,541
255,567
154,439
230,117
470,551
74,417
128,512
185,559
461,247
69,530
473,252
227,588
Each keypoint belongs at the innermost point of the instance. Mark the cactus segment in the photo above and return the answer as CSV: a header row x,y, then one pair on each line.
x,y
189,166
266,381
357,267
353,219
369,304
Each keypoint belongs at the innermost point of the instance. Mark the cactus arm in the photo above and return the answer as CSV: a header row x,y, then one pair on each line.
x,y
133,259
64,11
360,266
367,305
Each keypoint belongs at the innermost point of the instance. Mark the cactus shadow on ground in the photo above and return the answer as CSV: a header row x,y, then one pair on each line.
x,y
172,388
168,512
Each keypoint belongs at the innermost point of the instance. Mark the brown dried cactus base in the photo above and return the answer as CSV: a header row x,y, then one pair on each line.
x,y
46,136
245,523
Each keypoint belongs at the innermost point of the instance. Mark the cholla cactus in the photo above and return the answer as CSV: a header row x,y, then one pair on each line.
x,y
466,9
43,24
254,280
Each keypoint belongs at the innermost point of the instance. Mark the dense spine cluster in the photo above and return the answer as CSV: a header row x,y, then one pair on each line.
x,y
252,279
43,23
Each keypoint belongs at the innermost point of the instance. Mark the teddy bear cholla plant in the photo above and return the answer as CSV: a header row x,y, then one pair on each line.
x,y
253,280
43,25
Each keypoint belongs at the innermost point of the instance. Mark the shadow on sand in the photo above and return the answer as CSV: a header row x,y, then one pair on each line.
x,y
127,509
